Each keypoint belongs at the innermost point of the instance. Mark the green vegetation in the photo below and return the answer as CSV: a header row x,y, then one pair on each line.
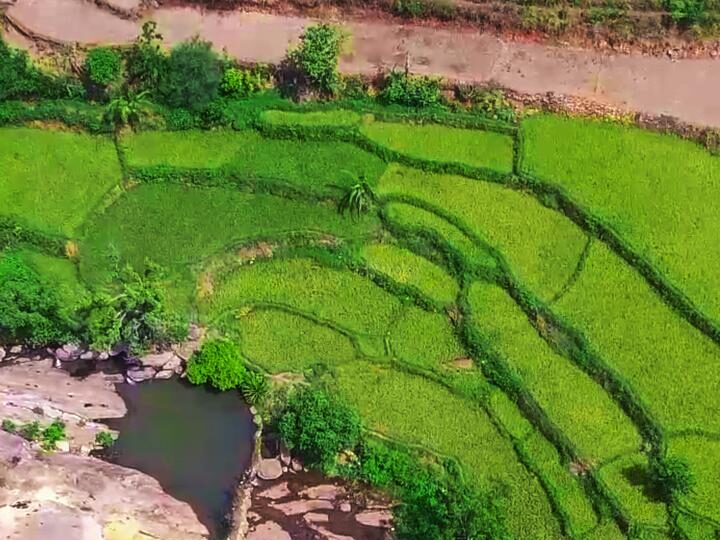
x,y
57,274
541,246
445,144
191,78
54,179
316,58
104,439
405,267
579,407
411,91
657,191
607,299
217,363
702,455
103,65
320,118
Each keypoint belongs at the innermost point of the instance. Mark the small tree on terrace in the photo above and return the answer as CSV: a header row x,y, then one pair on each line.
x,y
193,76
358,199
316,58
127,110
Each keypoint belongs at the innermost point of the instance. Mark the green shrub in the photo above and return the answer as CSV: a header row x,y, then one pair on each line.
x,y
317,57
30,431
218,363
688,12
319,426
254,387
103,65
9,426
104,439
382,466
403,89
146,63
672,476
193,76
490,103
416,9
20,79
133,313
53,434
240,83
181,120
30,312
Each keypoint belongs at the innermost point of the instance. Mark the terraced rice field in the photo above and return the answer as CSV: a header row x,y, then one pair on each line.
x,y
470,317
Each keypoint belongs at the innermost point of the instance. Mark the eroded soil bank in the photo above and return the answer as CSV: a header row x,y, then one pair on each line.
x,y
686,89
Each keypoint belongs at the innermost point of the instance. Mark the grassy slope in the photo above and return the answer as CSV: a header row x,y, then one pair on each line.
x,y
319,118
411,216
178,227
703,455
442,143
247,154
660,192
671,365
415,410
407,268
541,246
578,406
61,275
51,179
339,296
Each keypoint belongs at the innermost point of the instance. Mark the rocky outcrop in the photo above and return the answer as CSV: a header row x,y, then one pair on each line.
x,y
73,497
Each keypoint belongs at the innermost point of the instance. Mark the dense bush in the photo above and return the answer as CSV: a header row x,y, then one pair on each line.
x,y
53,434
688,12
255,387
133,313
146,62
103,66
490,103
192,78
218,363
403,89
20,79
29,311
319,426
672,476
239,82
104,439
416,9
316,58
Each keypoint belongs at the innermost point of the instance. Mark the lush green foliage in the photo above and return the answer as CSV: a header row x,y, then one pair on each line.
x,y
219,364
405,267
104,439
255,387
53,434
403,89
319,426
54,179
672,477
664,196
446,144
30,312
103,65
20,79
127,109
146,63
317,57
359,199
702,455
320,118
133,313
192,76
239,82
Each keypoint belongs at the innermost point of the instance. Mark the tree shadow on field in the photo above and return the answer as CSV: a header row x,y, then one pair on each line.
x,y
639,476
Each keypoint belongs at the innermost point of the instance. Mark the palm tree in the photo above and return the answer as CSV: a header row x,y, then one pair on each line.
x,y
358,199
127,109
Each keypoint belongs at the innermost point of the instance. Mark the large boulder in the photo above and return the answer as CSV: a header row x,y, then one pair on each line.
x,y
269,469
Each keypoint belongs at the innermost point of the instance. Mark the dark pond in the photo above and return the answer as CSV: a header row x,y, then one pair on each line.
x,y
195,442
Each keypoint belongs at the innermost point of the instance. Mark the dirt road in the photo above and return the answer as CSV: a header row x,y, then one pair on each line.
x,y
688,89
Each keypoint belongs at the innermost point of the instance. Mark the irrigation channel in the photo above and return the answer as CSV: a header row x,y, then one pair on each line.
x,y
197,443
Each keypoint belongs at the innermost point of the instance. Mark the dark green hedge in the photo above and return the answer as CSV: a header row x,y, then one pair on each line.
x,y
13,234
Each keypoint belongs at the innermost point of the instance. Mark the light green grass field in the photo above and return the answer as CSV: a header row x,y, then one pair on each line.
x,y
318,118
59,274
317,165
415,410
411,216
703,456
672,366
447,144
340,296
574,402
661,193
541,246
52,180
628,479
281,342
425,339
178,226
407,268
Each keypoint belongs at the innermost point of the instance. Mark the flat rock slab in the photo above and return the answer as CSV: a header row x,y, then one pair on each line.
x,y
70,497
268,531
279,491
326,492
374,518
294,508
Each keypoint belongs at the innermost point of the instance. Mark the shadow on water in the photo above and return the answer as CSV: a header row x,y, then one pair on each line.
x,y
197,443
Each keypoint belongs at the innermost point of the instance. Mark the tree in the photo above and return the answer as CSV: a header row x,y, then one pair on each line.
x,y
193,76
319,426
30,312
103,66
218,363
317,57
127,109
358,200
254,387
133,313
146,62
672,476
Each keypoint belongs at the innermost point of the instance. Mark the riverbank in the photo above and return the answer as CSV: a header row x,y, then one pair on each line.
x,y
685,88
